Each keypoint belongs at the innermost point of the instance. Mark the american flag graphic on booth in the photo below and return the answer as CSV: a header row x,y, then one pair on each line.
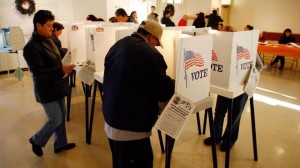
x,y
192,59
242,52
214,56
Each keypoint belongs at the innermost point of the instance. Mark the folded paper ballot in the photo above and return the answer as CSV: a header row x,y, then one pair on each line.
x,y
86,72
252,81
70,57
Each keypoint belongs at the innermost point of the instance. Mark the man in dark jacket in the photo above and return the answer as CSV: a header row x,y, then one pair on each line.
x,y
135,81
213,20
44,61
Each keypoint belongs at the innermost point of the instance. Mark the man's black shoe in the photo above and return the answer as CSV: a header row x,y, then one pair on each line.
x,y
36,148
224,146
67,147
208,141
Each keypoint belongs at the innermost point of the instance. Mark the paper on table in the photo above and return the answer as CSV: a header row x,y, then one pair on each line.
x,y
175,115
86,72
294,44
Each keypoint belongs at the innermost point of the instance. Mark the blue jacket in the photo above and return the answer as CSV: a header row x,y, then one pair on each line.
x,y
134,81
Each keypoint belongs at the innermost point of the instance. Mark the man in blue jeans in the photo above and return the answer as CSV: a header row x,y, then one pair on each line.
x,y
224,104
48,74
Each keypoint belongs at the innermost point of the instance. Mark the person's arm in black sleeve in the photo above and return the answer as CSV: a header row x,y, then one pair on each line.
x,y
293,39
152,72
220,19
35,61
166,84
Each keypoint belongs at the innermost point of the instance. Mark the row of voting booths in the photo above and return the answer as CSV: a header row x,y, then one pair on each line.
x,y
202,61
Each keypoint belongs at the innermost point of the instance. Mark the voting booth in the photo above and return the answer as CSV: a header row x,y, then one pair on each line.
x,y
233,55
169,40
77,33
191,95
192,75
105,38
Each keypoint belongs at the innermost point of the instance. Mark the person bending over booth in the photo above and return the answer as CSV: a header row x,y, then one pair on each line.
x,y
135,81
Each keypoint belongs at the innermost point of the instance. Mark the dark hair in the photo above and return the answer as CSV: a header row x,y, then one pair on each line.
x,y
132,13
57,26
91,18
153,7
121,12
287,30
200,16
41,17
167,12
249,27
113,19
214,12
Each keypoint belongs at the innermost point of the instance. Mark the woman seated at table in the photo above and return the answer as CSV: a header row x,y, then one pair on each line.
x,y
286,37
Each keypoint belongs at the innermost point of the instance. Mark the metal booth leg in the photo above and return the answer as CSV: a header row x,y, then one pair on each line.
x,y
229,123
204,122
253,129
213,137
198,123
92,113
169,148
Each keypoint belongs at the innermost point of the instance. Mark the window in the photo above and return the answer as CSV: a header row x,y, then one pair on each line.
x,y
173,1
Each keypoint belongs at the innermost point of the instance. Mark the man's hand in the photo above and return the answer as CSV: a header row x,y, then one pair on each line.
x,y
68,68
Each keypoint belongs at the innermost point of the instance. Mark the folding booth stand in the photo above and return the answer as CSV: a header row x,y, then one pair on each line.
x,y
231,95
233,55
191,90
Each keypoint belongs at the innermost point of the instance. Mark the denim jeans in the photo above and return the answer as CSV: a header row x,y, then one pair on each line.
x,y
56,112
223,104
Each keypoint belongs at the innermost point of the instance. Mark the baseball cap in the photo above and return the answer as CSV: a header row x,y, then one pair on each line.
x,y
153,28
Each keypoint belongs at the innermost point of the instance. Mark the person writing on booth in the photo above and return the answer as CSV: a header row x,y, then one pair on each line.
x,y
135,80
223,104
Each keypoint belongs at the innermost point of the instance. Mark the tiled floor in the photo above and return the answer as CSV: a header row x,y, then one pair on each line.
x,y
278,130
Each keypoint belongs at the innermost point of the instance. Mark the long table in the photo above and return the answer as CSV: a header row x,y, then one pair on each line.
x,y
279,49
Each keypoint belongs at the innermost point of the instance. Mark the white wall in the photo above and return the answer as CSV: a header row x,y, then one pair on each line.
x,y
113,5
196,6
82,8
267,15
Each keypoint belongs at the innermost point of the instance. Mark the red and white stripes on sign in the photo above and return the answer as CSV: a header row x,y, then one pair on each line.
x,y
242,52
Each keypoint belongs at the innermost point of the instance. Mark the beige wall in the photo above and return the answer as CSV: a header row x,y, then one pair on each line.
x,y
266,15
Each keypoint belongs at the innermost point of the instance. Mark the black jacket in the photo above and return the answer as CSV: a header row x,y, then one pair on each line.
x,y
134,81
45,65
285,39
213,21
168,22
